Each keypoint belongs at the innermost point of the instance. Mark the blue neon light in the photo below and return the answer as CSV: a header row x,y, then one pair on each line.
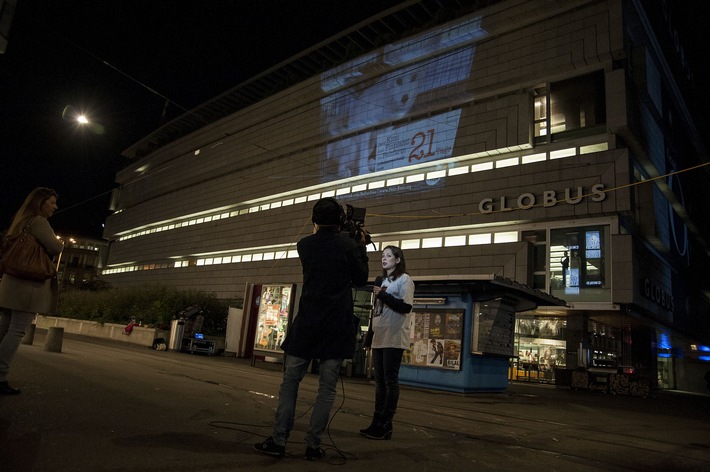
x,y
664,343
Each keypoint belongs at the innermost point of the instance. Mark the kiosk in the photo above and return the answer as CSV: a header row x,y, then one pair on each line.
x,y
462,332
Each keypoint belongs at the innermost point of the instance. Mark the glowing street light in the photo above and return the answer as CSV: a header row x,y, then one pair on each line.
x,y
71,113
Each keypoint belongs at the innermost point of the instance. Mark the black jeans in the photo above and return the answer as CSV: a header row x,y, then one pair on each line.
x,y
386,362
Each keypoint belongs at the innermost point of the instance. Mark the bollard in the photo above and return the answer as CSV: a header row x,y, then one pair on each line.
x,y
29,336
53,343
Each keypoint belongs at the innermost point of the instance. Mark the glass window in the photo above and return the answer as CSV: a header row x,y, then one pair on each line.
x,y
579,268
569,105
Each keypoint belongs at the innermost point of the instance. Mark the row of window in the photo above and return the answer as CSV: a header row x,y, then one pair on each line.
x,y
393,182
575,263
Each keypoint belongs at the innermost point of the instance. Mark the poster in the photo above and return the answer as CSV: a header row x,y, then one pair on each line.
x,y
436,339
272,319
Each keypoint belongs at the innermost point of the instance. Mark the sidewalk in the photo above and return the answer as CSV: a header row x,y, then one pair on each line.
x,y
105,406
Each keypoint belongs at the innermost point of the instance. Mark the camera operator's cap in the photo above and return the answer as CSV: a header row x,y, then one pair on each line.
x,y
328,212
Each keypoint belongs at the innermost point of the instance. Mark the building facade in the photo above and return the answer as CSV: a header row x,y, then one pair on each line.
x,y
546,142
81,261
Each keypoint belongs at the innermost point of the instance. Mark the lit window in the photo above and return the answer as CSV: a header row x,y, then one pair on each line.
x,y
410,244
415,178
568,105
431,242
451,241
560,153
482,167
594,148
505,237
534,158
458,170
438,174
513,161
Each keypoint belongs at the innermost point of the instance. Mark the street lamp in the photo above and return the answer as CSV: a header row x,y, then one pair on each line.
x,y
71,113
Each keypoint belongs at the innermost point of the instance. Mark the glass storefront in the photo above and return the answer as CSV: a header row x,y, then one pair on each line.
x,y
540,348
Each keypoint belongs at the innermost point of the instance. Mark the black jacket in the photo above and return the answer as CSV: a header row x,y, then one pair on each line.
x,y
325,326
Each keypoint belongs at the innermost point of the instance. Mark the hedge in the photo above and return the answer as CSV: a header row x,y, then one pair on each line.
x,y
150,305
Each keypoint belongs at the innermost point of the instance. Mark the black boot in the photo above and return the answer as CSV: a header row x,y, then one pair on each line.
x,y
5,389
376,423
379,431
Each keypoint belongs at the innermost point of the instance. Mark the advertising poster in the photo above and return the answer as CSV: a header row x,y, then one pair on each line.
x,y
272,320
436,340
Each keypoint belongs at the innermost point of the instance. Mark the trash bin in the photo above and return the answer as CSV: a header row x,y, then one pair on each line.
x,y
177,331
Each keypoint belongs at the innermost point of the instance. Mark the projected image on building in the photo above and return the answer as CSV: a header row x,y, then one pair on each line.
x,y
371,105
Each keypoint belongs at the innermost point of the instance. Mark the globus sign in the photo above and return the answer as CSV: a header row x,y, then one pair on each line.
x,y
658,295
548,198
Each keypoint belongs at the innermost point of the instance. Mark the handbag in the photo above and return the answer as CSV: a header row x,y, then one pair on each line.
x,y
25,258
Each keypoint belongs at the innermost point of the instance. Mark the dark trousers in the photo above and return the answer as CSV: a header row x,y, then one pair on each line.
x,y
386,362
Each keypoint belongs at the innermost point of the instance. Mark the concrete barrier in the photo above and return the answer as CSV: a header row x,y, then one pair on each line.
x,y
139,335
55,338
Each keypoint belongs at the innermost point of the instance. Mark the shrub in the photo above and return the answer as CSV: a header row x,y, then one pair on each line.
x,y
151,305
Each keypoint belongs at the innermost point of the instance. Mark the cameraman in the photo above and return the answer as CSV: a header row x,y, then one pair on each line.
x,y
325,327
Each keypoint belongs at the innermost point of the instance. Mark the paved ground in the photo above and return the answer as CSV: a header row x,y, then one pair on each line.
x,y
106,406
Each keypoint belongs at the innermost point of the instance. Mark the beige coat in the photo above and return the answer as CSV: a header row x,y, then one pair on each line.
x,y
26,295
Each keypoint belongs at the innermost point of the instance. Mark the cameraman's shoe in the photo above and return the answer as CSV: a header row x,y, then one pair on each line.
x,y
269,447
314,454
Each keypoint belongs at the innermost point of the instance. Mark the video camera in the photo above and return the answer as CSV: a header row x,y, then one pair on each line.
x,y
354,222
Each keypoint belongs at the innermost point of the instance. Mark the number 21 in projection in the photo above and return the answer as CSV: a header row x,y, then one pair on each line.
x,y
421,149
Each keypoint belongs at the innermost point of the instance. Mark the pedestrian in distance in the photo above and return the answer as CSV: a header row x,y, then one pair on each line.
x,y
325,327
21,299
391,326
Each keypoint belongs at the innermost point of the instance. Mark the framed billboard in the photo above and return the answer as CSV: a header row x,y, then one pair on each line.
x,y
436,338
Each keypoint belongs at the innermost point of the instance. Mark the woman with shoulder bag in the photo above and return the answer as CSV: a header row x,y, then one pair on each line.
x,y
390,323
21,298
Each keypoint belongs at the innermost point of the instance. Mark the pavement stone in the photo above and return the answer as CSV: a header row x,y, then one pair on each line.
x,y
101,405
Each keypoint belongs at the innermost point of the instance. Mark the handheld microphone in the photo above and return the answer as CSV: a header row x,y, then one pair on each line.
x,y
378,281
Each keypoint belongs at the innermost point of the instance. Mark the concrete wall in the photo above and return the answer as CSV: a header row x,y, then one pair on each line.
x,y
139,335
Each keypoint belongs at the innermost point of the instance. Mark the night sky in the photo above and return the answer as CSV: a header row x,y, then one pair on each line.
x,y
119,61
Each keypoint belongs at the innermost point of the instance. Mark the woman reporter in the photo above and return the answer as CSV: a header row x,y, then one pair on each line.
x,y
390,323
21,299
